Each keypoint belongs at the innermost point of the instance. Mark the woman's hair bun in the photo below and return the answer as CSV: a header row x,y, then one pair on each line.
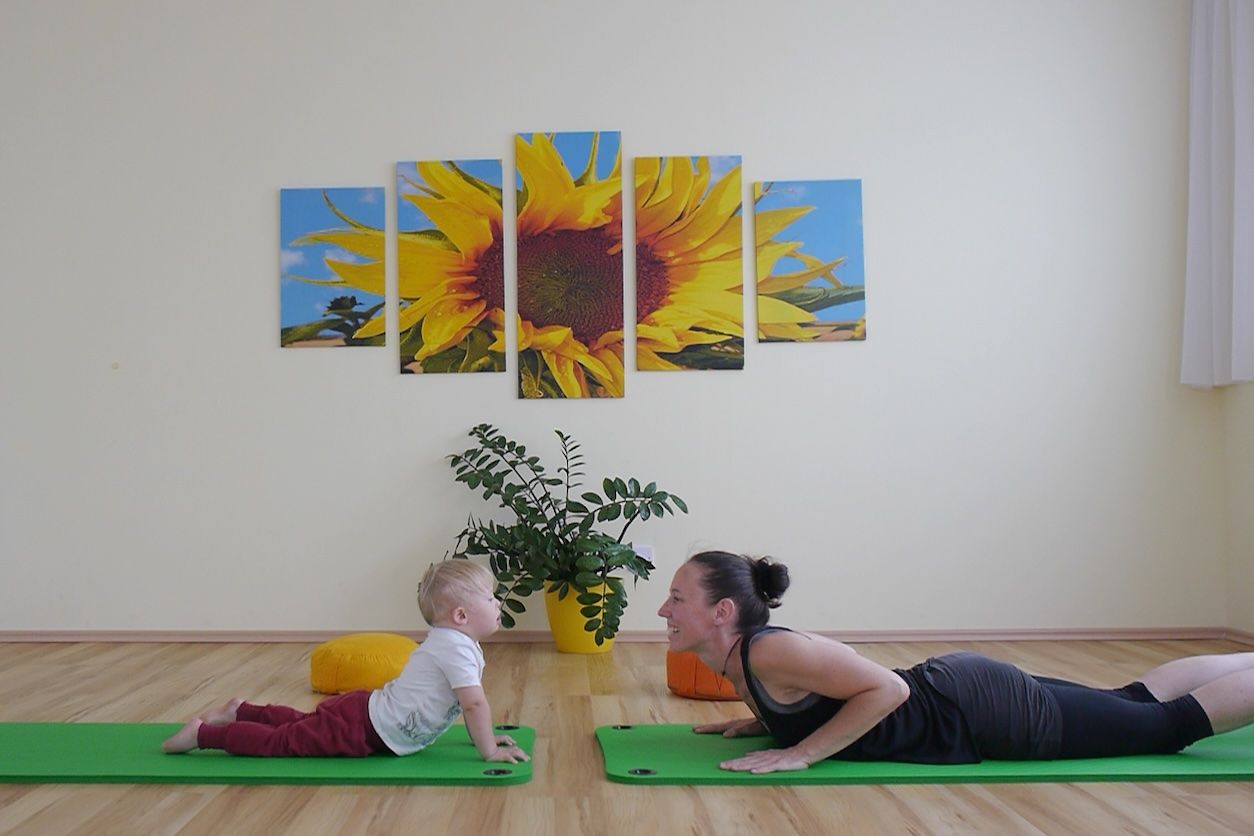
x,y
770,579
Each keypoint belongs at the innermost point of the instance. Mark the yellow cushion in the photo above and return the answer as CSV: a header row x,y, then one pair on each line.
x,y
358,661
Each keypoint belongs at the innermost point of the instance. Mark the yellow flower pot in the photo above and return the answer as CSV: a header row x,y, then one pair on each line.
x,y
566,623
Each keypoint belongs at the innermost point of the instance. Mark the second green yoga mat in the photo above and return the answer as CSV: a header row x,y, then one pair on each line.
x,y
130,753
672,754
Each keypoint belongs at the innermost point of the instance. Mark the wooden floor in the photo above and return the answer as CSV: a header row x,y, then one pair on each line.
x,y
564,697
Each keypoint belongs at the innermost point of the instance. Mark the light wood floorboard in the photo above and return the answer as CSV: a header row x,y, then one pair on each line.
x,y
564,697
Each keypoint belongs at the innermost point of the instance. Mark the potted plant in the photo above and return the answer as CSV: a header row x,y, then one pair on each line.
x,y
553,543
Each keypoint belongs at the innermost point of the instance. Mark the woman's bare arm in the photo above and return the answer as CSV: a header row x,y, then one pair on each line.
x,y
785,662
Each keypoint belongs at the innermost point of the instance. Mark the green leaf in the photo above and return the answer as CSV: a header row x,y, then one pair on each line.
x,y
634,487
515,605
587,580
650,489
588,562
679,503
610,488
592,498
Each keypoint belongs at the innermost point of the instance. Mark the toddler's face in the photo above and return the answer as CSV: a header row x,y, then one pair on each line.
x,y
483,613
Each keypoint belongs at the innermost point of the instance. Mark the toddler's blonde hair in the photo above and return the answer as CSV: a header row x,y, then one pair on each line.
x,y
449,583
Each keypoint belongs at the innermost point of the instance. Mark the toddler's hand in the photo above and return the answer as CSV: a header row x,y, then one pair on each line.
x,y
508,754
505,740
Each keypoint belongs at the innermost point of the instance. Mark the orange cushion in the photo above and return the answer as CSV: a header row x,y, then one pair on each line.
x,y
358,661
688,676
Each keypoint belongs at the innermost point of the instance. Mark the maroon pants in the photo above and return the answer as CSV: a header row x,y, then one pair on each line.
x,y
338,727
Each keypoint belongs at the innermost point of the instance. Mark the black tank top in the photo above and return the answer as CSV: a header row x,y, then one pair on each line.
x,y
926,728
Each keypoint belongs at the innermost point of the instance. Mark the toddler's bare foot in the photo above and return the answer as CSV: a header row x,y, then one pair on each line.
x,y
223,714
183,740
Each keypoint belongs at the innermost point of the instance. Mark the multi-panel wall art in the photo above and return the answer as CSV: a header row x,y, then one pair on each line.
x,y
810,283
570,265
450,266
331,267
689,266
688,219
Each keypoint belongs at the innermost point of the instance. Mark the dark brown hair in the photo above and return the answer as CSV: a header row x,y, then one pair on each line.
x,y
755,584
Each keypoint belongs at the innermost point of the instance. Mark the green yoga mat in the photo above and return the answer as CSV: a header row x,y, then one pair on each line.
x,y
130,753
672,754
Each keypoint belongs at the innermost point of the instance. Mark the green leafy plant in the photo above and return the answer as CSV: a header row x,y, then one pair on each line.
x,y
553,543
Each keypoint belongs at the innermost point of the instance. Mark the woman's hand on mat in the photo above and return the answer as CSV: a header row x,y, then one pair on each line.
x,y
767,760
508,754
751,727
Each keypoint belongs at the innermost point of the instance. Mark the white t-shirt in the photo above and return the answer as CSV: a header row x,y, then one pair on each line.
x,y
411,711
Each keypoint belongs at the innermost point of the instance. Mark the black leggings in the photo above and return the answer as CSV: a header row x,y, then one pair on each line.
x,y
1098,723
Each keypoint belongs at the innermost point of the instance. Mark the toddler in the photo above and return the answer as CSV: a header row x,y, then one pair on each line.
x,y
441,681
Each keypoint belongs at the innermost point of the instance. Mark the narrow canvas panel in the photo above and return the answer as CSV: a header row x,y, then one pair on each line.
x,y
810,279
570,265
450,269
689,264
331,267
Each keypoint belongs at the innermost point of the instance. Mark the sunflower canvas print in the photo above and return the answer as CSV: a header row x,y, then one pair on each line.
x,y
689,263
450,269
811,283
570,265
331,267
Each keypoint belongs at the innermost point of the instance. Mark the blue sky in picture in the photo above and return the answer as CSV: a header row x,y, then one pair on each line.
x,y
831,230
574,146
409,218
302,211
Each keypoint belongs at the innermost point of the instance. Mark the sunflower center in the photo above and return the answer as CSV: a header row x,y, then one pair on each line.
x,y
651,282
570,278
490,276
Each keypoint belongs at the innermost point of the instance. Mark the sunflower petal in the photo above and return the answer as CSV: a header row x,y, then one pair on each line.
x,y
788,281
771,252
469,231
722,202
369,244
447,323
453,186
611,360
775,312
669,200
422,266
367,277
768,224
647,360
713,274
569,376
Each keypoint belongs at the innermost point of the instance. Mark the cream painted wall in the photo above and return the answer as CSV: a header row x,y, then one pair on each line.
x,y
1239,413
1010,447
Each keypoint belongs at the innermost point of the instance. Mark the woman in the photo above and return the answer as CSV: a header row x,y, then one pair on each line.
x,y
819,699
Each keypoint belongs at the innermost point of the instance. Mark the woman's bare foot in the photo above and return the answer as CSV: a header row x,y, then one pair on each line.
x,y
223,714
183,740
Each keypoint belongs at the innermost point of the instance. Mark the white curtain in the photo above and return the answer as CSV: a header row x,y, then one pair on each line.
x,y
1219,261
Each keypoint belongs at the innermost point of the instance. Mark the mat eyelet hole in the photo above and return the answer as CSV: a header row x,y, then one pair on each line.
x,y
498,771
624,727
639,770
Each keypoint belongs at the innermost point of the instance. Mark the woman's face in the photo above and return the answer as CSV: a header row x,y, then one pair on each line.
x,y
689,618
